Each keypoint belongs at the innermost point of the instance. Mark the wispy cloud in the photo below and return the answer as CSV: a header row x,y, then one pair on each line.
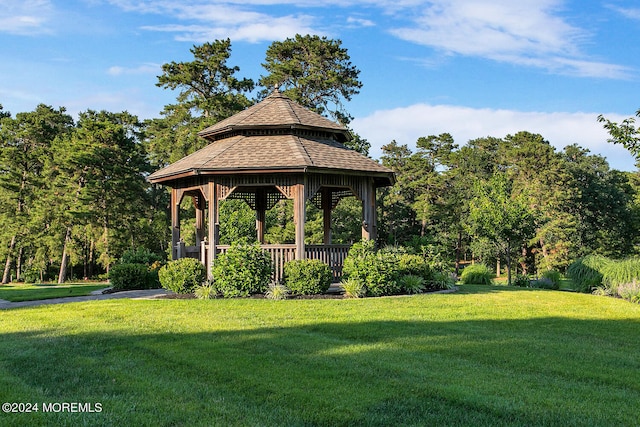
x,y
407,124
202,21
264,28
527,32
360,22
627,12
141,69
25,17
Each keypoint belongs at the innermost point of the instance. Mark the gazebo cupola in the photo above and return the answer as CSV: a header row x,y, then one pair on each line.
x,y
273,150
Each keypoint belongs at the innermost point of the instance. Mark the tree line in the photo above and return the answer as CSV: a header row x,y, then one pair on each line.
x,y
73,194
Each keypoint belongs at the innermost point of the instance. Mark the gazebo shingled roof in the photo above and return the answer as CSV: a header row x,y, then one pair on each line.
x,y
276,134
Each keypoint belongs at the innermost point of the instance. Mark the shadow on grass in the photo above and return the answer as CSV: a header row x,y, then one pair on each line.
x,y
545,371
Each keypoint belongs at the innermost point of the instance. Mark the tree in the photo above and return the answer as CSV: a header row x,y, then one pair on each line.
x,y
500,216
398,221
314,71
4,114
602,204
24,148
625,133
106,170
536,169
209,92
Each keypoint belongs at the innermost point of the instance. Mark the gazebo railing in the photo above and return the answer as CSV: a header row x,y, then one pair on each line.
x,y
332,255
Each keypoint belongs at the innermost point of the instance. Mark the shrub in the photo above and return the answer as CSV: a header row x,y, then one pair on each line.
x,y
242,270
378,271
140,256
277,292
414,265
521,281
412,284
354,288
442,280
307,276
205,291
554,276
586,273
129,276
381,271
477,274
182,276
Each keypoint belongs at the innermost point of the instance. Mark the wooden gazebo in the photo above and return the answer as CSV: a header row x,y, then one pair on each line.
x,y
273,150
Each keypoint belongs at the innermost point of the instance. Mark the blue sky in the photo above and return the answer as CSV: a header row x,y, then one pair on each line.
x,y
472,68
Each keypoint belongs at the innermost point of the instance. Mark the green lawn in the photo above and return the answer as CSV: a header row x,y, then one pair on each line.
x,y
481,356
24,292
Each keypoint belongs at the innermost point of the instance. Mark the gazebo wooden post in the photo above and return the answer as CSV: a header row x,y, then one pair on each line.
x,y
369,226
326,214
299,217
213,226
175,222
199,204
261,211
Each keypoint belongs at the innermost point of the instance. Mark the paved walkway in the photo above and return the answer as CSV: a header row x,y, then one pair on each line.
x,y
96,295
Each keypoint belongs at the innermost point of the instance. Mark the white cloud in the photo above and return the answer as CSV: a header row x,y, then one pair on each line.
x,y
526,32
262,28
407,124
25,17
142,69
203,21
360,22
628,12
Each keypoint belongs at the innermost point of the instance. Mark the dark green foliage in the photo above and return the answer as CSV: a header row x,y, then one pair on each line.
x,y
129,276
314,71
182,276
242,270
522,281
586,272
414,265
307,277
140,256
476,274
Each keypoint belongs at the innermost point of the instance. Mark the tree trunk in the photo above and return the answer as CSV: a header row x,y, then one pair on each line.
x,y
508,258
498,266
19,265
458,251
91,258
6,277
523,263
63,264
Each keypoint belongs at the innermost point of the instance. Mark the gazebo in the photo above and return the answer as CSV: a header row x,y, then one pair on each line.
x,y
273,150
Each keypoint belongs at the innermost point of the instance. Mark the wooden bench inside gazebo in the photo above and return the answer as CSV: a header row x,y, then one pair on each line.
x,y
273,150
